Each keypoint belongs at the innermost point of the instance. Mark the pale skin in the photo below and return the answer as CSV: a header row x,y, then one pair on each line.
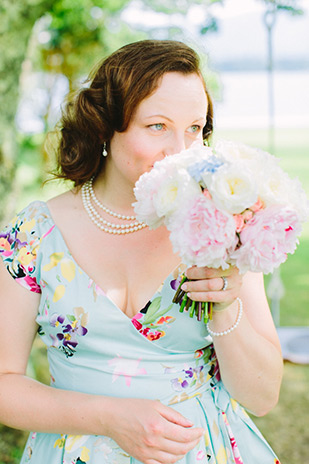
x,y
164,123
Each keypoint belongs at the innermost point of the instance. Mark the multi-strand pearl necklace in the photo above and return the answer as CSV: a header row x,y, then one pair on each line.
x,y
106,226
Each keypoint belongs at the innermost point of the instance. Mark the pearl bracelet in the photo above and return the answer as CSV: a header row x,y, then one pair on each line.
x,y
225,332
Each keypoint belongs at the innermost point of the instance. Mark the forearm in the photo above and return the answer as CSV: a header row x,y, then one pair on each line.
x,y
29,405
250,364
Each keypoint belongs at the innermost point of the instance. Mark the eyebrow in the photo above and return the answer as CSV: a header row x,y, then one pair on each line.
x,y
165,117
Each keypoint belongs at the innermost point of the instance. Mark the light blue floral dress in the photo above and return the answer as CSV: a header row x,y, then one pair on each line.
x,y
93,347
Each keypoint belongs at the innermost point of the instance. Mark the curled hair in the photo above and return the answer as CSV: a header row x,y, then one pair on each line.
x,y
117,86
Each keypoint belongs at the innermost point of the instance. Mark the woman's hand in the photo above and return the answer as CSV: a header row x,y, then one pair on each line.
x,y
150,431
206,284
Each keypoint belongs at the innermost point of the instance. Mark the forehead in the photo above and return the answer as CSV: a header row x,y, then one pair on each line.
x,y
176,92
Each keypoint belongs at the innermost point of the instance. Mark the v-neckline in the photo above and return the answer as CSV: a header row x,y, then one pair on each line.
x,y
67,249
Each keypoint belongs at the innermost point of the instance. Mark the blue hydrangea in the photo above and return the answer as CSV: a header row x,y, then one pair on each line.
x,y
210,165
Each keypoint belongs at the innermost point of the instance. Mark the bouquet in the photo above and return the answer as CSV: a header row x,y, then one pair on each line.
x,y
231,205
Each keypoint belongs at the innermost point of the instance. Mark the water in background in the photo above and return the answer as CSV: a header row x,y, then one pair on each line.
x,y
245,100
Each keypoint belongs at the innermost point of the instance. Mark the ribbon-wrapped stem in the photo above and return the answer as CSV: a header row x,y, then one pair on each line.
x,y
201,309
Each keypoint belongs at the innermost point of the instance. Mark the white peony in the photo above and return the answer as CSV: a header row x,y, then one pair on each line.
x,y
234,151
161,191
186,157
276,188
232,187
145,189
175,190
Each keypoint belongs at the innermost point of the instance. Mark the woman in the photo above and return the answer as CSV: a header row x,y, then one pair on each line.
x,y
132,379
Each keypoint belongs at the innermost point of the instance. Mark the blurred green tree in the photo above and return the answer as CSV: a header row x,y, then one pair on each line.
x,y
16,22
61,36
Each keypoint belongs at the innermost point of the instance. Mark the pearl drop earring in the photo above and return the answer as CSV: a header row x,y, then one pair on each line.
x,y
104,151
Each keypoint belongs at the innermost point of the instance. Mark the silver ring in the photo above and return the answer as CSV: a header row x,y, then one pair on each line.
x,y
225,284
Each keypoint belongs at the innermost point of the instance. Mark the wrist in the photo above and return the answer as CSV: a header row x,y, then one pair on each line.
x,y
103,408
226,321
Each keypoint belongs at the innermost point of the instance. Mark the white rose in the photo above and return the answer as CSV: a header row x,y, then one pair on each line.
x,y
232,187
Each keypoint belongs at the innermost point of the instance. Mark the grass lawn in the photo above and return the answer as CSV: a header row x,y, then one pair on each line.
x,y
286,427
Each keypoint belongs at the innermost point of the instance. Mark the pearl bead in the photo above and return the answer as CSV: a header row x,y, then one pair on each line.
x,y
227,331
101,223
100,205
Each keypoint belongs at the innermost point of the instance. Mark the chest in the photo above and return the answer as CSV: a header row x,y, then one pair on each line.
x,y
129,269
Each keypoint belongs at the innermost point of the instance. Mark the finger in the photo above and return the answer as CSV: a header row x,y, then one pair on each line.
x,y
205,285
165,458
179,426
179,434
171,451
196,273
173,416
214,297
177,448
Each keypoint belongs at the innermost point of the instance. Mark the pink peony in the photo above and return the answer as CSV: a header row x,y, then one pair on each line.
x,y
203,235
239,222
247,215
266,239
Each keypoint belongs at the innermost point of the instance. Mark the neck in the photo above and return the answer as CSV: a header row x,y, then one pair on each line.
x,y
115,195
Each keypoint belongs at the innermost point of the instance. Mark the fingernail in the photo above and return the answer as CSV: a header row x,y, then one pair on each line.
x,y
184,287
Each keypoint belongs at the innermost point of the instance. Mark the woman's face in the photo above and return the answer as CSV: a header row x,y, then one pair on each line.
x,y
166,122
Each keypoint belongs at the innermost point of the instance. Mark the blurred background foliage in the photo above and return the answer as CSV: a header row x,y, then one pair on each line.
x,y
51,41
47,48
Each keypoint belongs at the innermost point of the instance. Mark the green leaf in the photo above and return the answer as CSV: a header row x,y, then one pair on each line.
x,y
156,315
71,318
153,308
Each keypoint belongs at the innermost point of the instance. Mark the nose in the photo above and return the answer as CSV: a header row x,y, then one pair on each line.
x,y
176,144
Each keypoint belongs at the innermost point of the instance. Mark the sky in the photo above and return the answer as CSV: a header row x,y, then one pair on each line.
x,y
241,29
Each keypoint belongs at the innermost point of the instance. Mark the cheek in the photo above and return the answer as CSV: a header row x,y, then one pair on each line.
x,y
142,150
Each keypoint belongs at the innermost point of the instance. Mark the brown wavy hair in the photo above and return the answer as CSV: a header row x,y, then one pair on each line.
x,y
117,86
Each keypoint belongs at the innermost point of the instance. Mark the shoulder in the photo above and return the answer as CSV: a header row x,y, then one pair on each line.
x,y
20,243
66,210
64,202
29,222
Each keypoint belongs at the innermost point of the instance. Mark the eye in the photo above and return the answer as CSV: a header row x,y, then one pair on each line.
x,y
157,127
195,128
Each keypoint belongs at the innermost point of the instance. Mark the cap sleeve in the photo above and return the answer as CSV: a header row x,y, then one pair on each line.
x,y
20,243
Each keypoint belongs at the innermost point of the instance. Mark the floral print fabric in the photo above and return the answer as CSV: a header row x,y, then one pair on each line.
x,y
93,347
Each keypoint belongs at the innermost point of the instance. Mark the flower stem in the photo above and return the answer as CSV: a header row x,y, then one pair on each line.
x,y
184,278
210,309
180,297
205,305
199,311
182,306
188,304
192,310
